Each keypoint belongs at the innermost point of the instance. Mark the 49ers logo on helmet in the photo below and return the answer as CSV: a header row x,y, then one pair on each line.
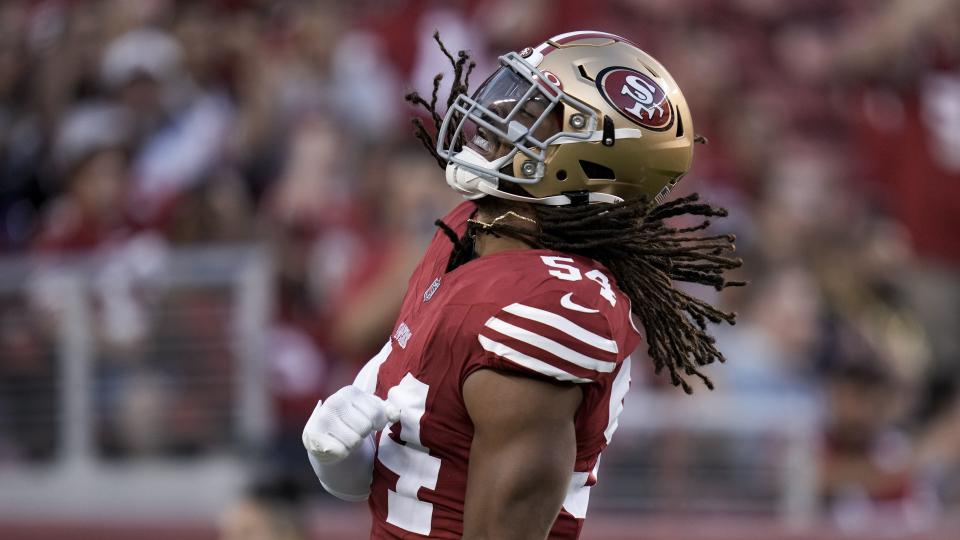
x,y
636,96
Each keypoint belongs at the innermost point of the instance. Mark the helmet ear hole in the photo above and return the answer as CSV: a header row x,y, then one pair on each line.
x,y
561,175
679,123
596,171
583,72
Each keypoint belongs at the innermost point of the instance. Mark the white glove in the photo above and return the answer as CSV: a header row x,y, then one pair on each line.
x,y
339,425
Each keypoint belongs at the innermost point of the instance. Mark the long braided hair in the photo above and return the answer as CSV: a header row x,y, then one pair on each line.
x,y
633,240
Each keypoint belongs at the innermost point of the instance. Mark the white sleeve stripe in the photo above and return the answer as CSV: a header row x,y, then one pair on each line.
x,y
564,325
578,495
621,384
557,349
630,317
523,360
366,380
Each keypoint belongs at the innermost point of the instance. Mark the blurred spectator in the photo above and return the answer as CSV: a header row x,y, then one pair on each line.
x,y
867,467
180,128
28,394
770,352
91,150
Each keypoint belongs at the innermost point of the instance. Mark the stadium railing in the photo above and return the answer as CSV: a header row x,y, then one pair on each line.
x,y
131,381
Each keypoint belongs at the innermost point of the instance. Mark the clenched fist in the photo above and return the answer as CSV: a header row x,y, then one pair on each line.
x,y
340,424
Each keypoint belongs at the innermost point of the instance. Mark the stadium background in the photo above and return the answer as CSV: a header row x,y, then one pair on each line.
x,y
208,211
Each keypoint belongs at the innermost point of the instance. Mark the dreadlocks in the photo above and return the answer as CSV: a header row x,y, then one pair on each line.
x,y
461,81
634,240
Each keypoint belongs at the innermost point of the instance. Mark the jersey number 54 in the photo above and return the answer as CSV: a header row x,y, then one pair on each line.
x,y
562,268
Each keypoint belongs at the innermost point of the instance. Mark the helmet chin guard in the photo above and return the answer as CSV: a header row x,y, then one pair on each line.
x,y
466,172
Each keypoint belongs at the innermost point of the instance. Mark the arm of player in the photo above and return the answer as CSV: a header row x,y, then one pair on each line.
x,y
522,456
339,434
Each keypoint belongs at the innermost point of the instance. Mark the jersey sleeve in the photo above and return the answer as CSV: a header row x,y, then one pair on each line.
x,y
539,337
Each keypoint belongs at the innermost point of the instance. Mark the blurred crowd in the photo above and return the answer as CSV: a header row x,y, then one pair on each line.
x,y
834,141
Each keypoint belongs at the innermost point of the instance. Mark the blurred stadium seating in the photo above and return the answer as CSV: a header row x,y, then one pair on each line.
x,y
209,210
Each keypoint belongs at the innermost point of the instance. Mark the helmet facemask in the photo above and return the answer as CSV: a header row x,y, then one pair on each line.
x,y
518,110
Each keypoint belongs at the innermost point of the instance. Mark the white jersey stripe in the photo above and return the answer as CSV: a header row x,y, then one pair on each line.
x,y
564,325
523,360
621,384
551,346
578,495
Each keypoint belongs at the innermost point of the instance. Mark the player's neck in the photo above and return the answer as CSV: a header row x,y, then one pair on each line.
x,y
488,244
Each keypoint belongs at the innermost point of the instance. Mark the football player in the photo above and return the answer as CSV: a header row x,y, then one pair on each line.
x,y
485,414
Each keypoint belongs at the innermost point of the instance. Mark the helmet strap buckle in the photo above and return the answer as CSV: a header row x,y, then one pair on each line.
x,y
609,134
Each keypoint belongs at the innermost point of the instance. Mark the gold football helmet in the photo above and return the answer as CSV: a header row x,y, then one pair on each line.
x,y
583,117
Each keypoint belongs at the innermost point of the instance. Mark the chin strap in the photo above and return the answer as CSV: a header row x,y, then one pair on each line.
x,y
553,200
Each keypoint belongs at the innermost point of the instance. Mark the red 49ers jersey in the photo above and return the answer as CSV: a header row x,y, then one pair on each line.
x,y
538,313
